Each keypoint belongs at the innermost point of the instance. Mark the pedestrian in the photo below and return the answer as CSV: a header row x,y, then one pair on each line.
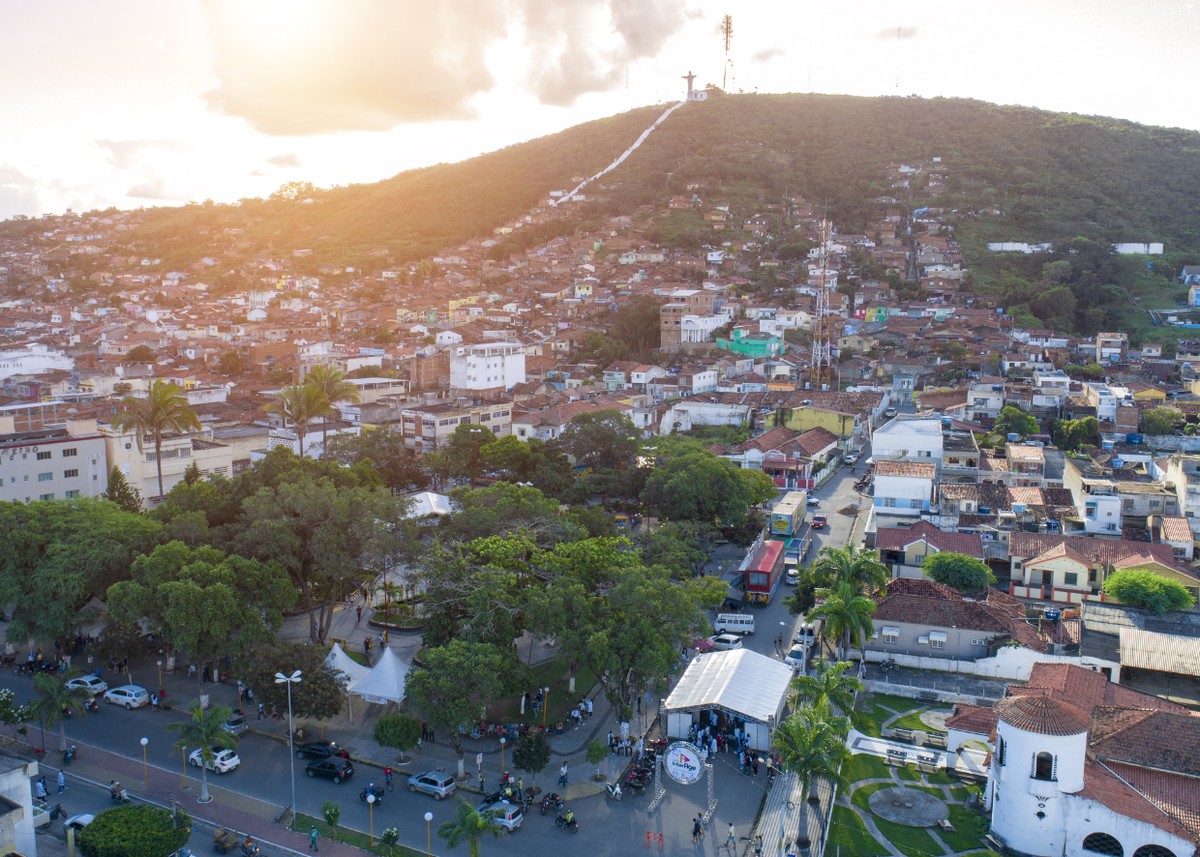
x,y
697,830
358,610
261,711
481,781
208,677
731,839
757,846
520,788
250,694
425,730
562,774
191,670
387,777
154,701
274,711
62,783
754,763
312,838
41,789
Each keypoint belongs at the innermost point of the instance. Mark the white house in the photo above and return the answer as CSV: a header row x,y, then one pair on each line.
x,y
35,359
907,439
487,366
904,488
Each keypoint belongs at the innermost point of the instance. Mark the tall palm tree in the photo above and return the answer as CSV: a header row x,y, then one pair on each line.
x,y
332,383
299,406
53,696
847,616
469,826
828,690
164,409
812,746
858,566
206,731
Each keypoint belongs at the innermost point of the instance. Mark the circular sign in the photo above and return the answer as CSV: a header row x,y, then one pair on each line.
x,y
682,763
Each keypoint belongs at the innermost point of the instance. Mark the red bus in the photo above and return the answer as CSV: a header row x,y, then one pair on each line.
x,y
762,575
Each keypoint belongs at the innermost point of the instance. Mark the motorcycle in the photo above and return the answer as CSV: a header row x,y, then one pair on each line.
x,y
119,795
553,799
91,706
614,790
69,755
888,665
567,821
372,790
57,811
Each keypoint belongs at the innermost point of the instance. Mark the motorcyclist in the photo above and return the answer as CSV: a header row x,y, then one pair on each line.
x,y
568,817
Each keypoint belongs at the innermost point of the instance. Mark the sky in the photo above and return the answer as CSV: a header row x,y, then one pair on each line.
x,y
133,103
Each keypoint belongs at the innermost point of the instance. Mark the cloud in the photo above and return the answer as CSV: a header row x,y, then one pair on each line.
x,y
288,159
154,188
125,154
18,193
768,54
312,67
897,34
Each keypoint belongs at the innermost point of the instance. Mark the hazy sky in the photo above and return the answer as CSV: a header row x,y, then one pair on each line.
x,y
150,102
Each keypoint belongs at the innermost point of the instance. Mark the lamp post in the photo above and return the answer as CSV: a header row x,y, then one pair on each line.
x,y
145,764
289,680
545,705
371,810
160,687
428,834
502,742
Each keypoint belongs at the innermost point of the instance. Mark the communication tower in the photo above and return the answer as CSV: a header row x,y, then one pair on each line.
x,y
821,365
727,32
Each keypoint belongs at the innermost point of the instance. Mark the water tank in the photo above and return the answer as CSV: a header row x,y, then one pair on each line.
x,y
1012,437
1106,444
946,421
1053,614
1018,508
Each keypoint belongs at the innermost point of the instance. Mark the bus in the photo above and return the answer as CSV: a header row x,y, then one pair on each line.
x,y
788,514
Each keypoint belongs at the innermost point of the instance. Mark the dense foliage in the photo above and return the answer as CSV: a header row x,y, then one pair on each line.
x,y
1141,588
135,831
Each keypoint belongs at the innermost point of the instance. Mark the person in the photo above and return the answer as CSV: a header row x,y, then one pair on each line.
x,y
520,788
757,846
481,782
562,774
587,705
208,676
697,829
261,711
191,670
62,783
358,611
154,701
249,844
754,764
731,839
312,838
568,817
387,777
41,789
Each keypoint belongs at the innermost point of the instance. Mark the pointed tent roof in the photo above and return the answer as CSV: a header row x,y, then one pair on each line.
x,y
385,682
341,662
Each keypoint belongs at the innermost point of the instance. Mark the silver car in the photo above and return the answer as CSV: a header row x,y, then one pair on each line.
x,y
436,783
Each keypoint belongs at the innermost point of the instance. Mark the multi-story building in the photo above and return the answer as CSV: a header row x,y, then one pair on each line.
x,y
1026,464
984,401
138,462
1111,347
909,439
688,316
904,488
1183,474
52,463
1103,399
488,368
428,427
1095,496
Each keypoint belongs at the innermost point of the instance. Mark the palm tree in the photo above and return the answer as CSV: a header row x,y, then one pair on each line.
x,y
847,615
828,690
299,406
467,825
206,730
332,383
858,566
53,696
812,746
164,409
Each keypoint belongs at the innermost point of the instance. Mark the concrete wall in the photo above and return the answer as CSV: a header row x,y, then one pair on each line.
x,y
1011,662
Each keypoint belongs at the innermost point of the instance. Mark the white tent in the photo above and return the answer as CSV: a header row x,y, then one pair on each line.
x,y
339,661
385,682
427,503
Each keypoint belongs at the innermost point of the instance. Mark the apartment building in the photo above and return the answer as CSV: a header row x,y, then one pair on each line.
x,y
688,316
52,463
488,368
428,427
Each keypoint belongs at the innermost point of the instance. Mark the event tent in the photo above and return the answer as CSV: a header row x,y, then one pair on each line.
x,y
341,662
385,682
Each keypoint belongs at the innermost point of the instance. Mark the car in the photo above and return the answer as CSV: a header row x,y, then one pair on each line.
x,y
819,522
852,458
129,695
321,750
332,768
795,657
510,816
436,783
223,761
889,413
78,822
90,683
806,634
791,575
236,724
726,642
813,501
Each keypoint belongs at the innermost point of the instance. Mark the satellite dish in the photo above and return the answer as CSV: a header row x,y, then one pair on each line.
x,y
152,316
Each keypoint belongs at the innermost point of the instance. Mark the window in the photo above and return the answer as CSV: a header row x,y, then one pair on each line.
x,y
890,635
70,452
937,639
1071,578
1153,851
999,750
1043,766
45,496
70,474
44,456
45,477
71,494
1103,843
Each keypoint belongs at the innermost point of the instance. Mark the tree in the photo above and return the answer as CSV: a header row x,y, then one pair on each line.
x,y
455,680
321,691
398,731
119,491
1013,420
847,615
298,406
164,409
1140,588
1070,435
206,732
954,352
532,753
602,440
828,690
812,746
468,826
463,452
699,486
859,567
139,354
192,474
1161,420
333,387
384,450
231,363
535,461
506,508
135,831
52,698
964,573
122,388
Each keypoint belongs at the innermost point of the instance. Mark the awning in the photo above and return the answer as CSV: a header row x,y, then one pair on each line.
x,y
937,636
890,631
1151,650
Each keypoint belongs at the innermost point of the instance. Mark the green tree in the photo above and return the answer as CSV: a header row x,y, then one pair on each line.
x,y
1140,588
602,440
1161,420
1013,420
699,486
206,732
135,831
812,747
506,508
964,573
463,452
192,474
537,462
455,680
532,753
51,699
859,567
847,615
397,731
321,691
298,406
163,410
333,387
139,354
383,449
828,690
468,826
1070,435
231,363
119,491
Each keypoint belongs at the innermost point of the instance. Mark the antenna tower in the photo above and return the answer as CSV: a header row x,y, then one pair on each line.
x,y
821,365
727,32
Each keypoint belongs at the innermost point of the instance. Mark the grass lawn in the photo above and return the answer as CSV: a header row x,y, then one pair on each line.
x,y
898,704
354,837
960,793
912,720
552,674
848,835
941,778
909,773
865,767
969,828
913,841
863,794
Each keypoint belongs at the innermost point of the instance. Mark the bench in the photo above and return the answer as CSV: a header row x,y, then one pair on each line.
x,y
897,757
945,825
936,739
903,734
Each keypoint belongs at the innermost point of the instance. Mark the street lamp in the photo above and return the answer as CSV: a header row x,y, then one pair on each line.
x,y
428,834
502,742
160,687
145,765
371,809
545,705
289,680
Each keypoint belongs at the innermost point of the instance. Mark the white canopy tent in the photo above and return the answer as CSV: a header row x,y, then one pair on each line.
x,y
741,684
427,503
385,682
339,661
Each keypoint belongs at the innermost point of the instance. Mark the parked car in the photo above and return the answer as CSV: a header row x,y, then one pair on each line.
x,y
223,760
889,413
436,783
852,458
89,683
806,634
321,750
726,642
331,768
819,522
813,501
129,695
791,575
235,724
508,815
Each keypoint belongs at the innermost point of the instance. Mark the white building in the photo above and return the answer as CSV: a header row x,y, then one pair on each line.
x,y
35,359
178,452
52,464
984,401
487,367
906,439
1103,399
904,488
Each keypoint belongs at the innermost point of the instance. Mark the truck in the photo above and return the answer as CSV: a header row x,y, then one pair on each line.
x,y
788,514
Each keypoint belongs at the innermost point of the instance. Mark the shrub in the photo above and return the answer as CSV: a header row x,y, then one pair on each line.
x,y
1139,588
331,812
135,831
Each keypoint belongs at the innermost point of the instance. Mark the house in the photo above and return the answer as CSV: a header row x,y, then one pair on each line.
x,y
428,427
909,439
1111,347
904,550
904,488
548,423
52,463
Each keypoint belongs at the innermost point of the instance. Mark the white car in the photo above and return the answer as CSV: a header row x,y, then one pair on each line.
x,y
89,683
726,642
795,658
813,501
129,695
507,815
223,760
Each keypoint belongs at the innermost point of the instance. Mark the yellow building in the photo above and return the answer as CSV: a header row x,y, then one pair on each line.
x,y
1143,392
808,417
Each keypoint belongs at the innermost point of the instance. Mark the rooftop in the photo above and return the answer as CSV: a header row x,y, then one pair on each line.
x,y
1042,714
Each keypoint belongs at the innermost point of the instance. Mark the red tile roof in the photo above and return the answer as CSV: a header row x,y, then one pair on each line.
x,y
940,606
972,718
919,469
1088,689
1023,545
898,538
1042,714
1174,794
1151,739
1105,787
